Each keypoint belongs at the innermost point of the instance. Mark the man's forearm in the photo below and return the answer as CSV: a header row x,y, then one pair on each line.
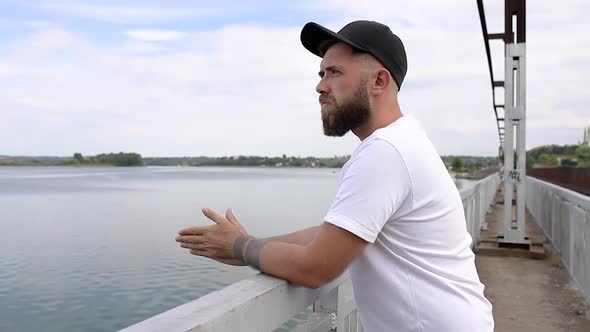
x,y
284,255
287,261
302,237
311,265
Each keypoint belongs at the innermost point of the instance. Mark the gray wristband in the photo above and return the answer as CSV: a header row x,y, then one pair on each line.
x,y
253,253
239,247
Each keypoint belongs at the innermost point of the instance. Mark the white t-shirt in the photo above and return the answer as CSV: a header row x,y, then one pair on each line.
x,y
418,272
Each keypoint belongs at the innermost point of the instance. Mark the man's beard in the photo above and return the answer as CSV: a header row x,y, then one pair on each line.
x,y
352,113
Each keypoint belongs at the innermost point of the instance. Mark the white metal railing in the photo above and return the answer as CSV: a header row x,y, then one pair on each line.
x,y
476,202
263,303
564,216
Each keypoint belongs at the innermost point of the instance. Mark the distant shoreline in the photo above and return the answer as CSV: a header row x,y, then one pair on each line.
x,y
469,164
58,165
169,166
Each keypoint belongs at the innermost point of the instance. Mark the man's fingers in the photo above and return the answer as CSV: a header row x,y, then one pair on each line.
x,y
229,215
194,230
194,246
216,218
190,239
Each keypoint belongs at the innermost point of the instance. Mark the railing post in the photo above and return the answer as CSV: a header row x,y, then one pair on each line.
x,y
515,123
339,303
328,303
346,306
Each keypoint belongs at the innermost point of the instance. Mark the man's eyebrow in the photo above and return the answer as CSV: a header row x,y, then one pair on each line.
x,y
329,68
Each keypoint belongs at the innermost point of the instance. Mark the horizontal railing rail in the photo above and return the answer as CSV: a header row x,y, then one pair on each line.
x,y
260,303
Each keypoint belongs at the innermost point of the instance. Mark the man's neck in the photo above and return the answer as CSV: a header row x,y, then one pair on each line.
x,y
377,120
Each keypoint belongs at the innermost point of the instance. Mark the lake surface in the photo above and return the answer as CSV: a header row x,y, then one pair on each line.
x,y
92,249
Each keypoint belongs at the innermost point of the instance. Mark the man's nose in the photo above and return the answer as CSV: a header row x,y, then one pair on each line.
x,y
322,87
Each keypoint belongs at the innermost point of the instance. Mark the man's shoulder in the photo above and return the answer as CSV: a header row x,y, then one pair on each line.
x,y
376,157
402,132
375,148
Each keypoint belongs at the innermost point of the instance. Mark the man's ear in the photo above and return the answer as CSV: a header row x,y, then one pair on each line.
x,y
382,81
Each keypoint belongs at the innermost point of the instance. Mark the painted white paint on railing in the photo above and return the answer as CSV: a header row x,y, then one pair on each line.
x,y
476,202
263,303
259,303
564,216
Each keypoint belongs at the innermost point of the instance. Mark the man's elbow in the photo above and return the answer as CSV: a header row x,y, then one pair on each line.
x,y
312,282
313,275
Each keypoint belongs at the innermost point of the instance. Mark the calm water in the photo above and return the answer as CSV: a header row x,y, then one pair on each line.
x,y
92,249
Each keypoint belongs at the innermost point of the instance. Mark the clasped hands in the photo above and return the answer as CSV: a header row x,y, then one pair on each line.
x,y
216,241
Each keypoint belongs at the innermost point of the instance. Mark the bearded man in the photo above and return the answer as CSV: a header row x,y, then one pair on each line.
x,y
396,222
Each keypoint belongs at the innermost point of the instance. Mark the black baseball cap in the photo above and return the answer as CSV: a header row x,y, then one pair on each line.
x,y
366,36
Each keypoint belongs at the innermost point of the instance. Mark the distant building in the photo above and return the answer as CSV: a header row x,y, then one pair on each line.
x,y
567,159
586,140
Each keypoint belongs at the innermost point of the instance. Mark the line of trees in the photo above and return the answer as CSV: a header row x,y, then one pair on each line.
x,y
544,156
283,161
111,159
570,155
468,164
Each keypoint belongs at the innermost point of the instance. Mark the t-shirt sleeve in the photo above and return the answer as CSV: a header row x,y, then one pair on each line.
x,y
373,186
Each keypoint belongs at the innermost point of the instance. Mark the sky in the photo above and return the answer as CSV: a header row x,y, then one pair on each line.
x,y
222,78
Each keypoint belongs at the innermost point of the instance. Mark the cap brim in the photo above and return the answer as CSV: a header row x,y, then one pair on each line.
x,y
314,36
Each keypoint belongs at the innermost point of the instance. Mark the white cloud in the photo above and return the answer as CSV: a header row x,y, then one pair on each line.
x,y
154,35
52,38
135,47
116,12
250,92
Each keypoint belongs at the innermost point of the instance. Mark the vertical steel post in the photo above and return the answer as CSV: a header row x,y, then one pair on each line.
x,y
515,124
